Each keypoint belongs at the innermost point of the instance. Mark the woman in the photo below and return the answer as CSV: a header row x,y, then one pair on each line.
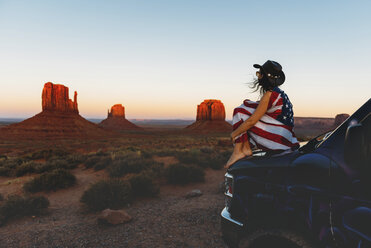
x,y
268,123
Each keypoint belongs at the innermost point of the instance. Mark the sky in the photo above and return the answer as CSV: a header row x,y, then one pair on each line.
x,y
162,58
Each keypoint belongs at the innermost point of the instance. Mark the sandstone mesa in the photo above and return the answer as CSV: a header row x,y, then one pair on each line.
x,y
116,119
211,110
210,117
59,118
117,110
55,97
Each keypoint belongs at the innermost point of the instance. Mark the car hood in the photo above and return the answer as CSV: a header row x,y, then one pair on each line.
x,y
283,159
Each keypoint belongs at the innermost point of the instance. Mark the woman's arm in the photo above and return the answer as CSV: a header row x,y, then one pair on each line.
x,y
255,117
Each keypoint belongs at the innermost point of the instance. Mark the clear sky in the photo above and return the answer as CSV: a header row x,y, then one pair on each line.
x,y
162,58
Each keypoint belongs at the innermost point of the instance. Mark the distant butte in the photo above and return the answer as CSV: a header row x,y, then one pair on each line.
x,y
116,119
117,110
212,110
210,117
340,118
59,118
55,98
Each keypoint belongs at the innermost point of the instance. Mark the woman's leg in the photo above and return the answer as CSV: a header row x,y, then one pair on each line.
x,y
236,155
237,120
242,145
246,149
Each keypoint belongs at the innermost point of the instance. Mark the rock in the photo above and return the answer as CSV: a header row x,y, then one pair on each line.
x,y
59,119
340,118
211,110
55,98
193,193
116,120
113,217
117,110
210,117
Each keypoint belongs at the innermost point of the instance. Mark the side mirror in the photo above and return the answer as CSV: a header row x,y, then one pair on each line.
x,y
355,147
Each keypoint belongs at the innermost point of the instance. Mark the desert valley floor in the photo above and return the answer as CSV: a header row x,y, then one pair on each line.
x,y
167,219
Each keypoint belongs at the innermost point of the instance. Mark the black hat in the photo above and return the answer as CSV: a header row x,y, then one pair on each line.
x,y
273,71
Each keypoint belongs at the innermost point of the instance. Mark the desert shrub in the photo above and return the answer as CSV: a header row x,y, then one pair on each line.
x,y
132,148
102,163
205,157
43,167
56,179
18,167
58,163
27,167
76,158
122,167
12,163
104,194
156,169
143,184
182,174
146,154
8,167
124,154
98,162
100,152
91,161
53,164
192,156
18,160
131,163
17,206
214,160
46,154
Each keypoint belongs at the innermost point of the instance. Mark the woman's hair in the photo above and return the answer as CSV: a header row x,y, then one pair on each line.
x,y
262,85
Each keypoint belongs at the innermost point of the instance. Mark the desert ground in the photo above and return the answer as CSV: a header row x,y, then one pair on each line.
x,y
166,219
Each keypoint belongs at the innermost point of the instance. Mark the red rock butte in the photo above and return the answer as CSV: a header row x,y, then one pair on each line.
x,y
212,110
210,117
340,118
117,110
55,98
116,119
59,119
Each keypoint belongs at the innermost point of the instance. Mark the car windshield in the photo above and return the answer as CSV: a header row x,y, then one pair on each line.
x,y
321,138
314,143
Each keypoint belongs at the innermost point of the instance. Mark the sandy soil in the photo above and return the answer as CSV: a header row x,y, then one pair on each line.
x,y
169,220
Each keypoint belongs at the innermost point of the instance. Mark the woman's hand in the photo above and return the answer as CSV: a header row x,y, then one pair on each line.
x,y
233,136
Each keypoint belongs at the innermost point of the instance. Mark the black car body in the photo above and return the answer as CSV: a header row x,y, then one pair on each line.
x,y
318,195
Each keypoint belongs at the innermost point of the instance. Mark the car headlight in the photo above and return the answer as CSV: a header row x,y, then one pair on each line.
x,y
228,181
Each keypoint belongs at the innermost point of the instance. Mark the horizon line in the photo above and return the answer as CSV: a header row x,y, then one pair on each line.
x,y
156,118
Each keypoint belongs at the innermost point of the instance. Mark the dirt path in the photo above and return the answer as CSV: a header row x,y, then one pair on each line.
x,y
169,220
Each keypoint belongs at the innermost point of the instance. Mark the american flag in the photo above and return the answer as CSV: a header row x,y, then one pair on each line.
x,y
274,130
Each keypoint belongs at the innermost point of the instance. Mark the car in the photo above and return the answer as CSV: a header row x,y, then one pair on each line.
x,y
316,196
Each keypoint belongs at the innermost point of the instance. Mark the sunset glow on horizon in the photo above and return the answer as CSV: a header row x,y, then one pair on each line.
x,y
161,59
